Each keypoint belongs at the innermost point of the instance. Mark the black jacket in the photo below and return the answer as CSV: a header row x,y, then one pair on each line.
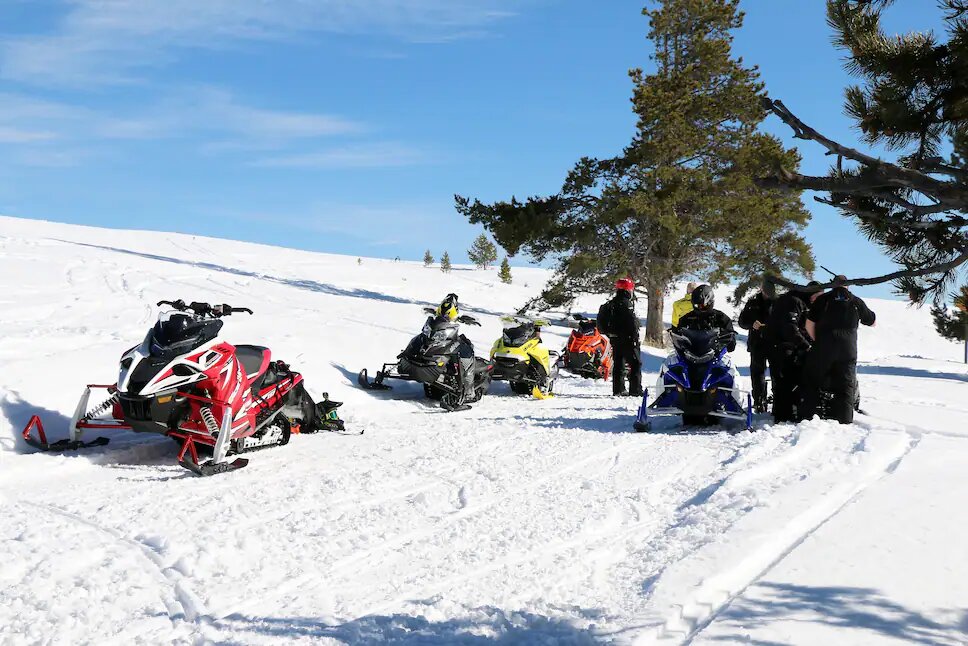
x,y
786,329
617,318
837,315
756,309
711,319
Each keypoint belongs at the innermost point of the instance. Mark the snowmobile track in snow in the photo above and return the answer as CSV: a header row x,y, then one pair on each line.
x,y
183,604
718,591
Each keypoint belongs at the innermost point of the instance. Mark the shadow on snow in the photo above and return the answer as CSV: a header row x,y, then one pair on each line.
x,y
843,608
18,412
489,626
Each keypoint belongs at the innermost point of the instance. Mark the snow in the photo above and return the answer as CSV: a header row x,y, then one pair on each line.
x,y
520,521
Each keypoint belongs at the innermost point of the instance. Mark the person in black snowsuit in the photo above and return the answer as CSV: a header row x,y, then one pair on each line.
x,y
789,345
755,318
705,317
618,321
832,364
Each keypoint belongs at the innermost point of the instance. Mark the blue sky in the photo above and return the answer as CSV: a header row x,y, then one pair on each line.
x,y
347,126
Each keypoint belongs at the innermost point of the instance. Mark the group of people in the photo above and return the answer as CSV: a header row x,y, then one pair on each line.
x,y
807,337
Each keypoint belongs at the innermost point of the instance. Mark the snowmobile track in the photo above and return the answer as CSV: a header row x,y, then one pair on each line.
x,y
718,591
184,604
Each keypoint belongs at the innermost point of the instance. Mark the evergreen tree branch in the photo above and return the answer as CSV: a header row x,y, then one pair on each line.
x,y
887,218
938,268
883,174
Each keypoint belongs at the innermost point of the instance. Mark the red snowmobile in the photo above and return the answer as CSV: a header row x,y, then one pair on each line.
x,y
183,381
588,352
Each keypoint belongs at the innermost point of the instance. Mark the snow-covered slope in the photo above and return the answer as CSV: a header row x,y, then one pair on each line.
x,y
520,521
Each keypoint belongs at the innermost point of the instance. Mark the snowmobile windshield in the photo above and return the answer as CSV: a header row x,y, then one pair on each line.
x,y
177,332
518,334
587,328
697,346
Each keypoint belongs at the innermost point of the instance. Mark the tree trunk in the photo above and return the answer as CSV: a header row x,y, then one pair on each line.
x,y
654,329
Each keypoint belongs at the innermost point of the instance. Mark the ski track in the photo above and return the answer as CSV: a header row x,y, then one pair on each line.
x,y
700,608
354,566
183,603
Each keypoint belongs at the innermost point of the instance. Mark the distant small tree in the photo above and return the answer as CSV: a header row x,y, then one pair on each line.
x,y
505,273
483,252
359,261
445,263
952,324
428,258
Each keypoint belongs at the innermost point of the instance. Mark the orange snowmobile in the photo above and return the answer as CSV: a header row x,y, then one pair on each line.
x,y
588,352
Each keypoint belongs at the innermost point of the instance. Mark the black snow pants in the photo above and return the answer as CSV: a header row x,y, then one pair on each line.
x,y
835,373
758,359
785,370
626,354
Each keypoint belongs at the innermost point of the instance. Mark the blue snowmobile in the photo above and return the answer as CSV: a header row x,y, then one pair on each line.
x,y
697,382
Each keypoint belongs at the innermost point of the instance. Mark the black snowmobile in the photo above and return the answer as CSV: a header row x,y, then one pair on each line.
x,y
441,359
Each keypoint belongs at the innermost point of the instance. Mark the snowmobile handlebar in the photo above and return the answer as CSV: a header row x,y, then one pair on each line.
x,y
205,309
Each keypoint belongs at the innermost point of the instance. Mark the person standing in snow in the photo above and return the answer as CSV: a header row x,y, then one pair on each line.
x,y
617,320
832,324
683,305
754,318
789,345
704,317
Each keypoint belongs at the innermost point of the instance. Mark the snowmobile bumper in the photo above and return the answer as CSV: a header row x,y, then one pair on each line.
x,y
677,402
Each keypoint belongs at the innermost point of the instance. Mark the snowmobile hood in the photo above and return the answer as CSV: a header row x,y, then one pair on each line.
x,y
142,373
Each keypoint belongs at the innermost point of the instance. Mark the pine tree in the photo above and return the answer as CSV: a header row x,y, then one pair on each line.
x,y
482,252
911,100
952,325
505,273
359,261
428,258
445,263
680,199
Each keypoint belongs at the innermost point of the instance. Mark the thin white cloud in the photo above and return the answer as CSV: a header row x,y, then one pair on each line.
x,y
109,41
379,155
204,114
10,135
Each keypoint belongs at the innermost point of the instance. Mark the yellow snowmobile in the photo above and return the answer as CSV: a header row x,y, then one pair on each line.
x,y
522,360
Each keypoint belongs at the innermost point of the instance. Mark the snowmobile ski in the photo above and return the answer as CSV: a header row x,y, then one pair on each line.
x,y
537,393
60,445
363,380
211,468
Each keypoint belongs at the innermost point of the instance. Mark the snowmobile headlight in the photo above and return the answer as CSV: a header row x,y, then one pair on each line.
x,y
126,362
695,358
181,370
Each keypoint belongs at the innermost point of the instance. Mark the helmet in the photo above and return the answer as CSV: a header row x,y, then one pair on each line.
x,y
625,283
448,307
769,289
702,297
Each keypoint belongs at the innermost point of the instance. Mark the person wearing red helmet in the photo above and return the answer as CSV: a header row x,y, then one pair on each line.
x,y
617,320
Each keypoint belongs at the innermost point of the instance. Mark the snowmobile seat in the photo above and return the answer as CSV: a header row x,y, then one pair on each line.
x,y
254,359
269,377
